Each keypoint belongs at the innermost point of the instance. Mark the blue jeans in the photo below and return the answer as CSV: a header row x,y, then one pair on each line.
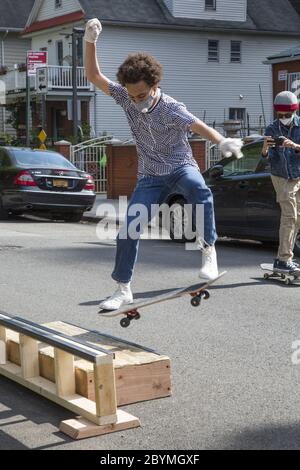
x,y
187,181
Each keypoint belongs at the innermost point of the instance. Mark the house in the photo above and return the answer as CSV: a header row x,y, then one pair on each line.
x,y
286,70
213,52
13,17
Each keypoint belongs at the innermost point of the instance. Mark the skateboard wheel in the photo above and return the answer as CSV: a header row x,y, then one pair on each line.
x,y
137,316
266,276
282,276
196,301
125,322
288,281
205,295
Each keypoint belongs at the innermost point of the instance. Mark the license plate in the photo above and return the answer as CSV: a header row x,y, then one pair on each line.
x,y
60,183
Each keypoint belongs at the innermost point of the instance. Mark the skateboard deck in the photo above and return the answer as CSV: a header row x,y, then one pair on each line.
x,y
287,278
130,312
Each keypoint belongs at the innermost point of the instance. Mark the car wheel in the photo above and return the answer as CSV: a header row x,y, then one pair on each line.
x,y
297,245
180,224
73,217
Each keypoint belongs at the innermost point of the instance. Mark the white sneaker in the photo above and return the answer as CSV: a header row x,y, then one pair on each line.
x,y
209,268
122,296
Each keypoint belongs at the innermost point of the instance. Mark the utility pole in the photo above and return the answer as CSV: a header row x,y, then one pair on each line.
x,y
27,105
77,32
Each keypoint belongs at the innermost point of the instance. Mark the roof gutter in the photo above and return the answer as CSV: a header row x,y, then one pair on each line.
x,y
220,29
11,30
279,60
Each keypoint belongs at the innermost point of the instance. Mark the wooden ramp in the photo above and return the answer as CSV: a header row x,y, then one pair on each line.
x,y
96,417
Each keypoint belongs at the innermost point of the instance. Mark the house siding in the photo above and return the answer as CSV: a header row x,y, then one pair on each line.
x,y
48,10
230,10
15,49
188,76
42,39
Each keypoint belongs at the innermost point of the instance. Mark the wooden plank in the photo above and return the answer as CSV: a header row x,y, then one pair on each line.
x,y
139,375
80,428
75,403
141,383
96,338
64,373
47,366
3,355
29,354
105,390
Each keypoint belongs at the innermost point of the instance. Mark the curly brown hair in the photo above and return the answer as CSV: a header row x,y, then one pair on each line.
x,y
140,66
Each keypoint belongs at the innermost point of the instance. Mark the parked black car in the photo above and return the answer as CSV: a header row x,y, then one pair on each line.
x,y
43,182
245,200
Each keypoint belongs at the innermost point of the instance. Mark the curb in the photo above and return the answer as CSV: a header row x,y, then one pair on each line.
x,y
94,219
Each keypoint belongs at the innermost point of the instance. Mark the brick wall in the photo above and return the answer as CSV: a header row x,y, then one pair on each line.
x,y
290,67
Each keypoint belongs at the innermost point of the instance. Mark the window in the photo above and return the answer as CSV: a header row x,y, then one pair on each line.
x,y
236,51
213,51
294,82
246,165
210,4
41,159
58,3
59,52
237,114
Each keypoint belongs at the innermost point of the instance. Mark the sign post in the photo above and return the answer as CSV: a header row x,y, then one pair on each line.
x,y
33,61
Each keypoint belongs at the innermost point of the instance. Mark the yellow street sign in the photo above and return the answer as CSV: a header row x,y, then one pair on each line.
x,y
42,147
42,136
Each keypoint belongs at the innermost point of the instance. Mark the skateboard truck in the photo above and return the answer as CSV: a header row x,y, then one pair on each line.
x,y
132,315
135,315
287,280
288,277
198,296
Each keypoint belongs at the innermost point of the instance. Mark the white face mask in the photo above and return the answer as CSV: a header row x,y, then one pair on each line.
x,y
287,122
145,106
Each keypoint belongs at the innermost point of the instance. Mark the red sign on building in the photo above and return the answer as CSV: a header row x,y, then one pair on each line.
x,y
35,60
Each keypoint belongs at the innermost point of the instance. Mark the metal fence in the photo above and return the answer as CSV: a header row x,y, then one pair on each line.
x,y
90,156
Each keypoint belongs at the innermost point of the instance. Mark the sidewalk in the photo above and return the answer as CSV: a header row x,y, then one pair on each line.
x,y
114,211
111,209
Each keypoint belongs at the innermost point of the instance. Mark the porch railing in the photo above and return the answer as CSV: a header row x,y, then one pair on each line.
x,y
58,78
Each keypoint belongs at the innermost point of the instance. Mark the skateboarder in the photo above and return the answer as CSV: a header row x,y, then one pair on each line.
x,y
160,126
285,174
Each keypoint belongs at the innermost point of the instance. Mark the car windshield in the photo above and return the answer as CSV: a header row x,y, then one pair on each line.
x,y
41,159
245,165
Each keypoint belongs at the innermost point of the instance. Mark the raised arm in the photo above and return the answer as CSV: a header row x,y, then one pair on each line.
x,y
92,68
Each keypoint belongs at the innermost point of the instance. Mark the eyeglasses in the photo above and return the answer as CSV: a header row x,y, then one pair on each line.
x,y
285,116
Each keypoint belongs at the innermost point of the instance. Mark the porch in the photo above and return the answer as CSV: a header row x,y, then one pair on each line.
x,y
56,78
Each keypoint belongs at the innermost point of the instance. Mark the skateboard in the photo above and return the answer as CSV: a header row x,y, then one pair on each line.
x,y
287,278
130,312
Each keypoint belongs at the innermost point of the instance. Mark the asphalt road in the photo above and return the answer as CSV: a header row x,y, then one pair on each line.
x,y
234,384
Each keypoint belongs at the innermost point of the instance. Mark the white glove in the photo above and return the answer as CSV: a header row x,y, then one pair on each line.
x,y
92,30
231,147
